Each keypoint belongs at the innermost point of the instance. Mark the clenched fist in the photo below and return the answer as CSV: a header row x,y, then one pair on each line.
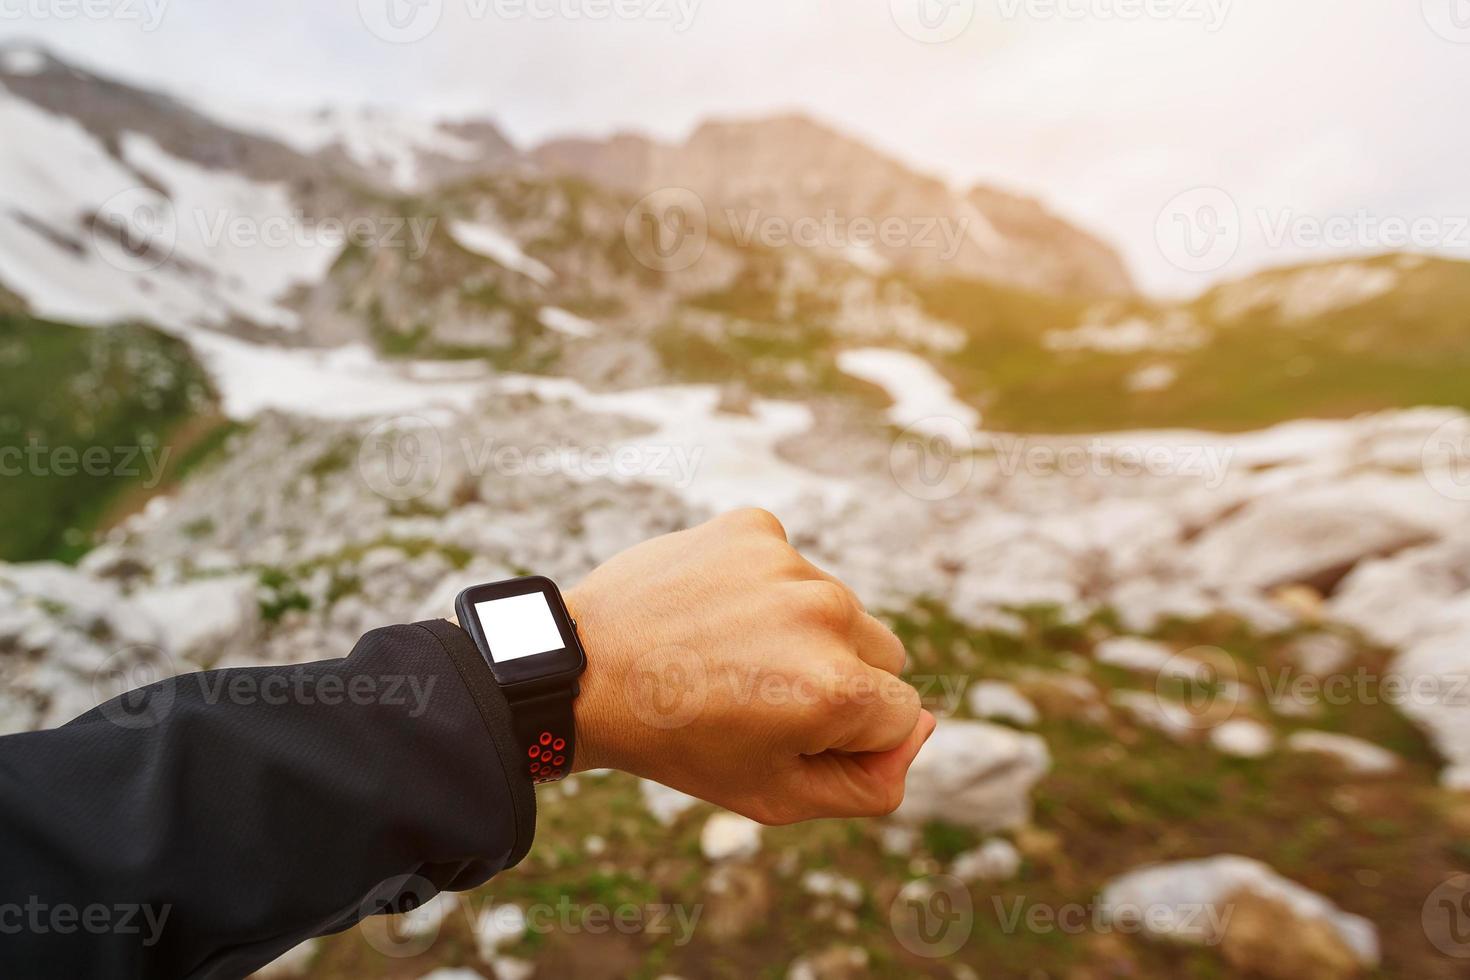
x,y
722,663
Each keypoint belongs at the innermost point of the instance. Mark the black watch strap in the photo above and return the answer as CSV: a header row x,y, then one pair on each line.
x,y
546,732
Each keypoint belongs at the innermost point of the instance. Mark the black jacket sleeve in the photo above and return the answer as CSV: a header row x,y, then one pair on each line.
x,y
204,825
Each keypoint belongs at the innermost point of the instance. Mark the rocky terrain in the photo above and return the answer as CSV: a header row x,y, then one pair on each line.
x,y
1202,666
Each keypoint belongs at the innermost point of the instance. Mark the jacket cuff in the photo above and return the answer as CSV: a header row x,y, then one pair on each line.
x,y
495,713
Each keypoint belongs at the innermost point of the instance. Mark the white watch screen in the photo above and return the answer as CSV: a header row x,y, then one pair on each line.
x,y
519,626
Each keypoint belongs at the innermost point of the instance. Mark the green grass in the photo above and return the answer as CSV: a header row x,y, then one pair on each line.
x,y
115,392
1409,347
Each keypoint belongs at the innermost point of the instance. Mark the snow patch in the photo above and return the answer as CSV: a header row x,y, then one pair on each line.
x,y
22,61
920,394
568,323
57,176
379,140
495,245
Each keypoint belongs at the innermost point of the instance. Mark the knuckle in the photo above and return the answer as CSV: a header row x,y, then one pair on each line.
x,y
888,798
758,519
904,696
830,606
772,813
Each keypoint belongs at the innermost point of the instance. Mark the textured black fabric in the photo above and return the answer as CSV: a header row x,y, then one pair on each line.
x,y
205,825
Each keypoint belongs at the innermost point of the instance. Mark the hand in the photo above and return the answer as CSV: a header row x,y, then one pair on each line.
x,y
722,663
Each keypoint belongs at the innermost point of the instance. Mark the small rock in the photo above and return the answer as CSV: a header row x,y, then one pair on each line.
x,y
997,701
829,884
1255,943
834,963
994,860
427,918
1135,654
1357,755
976,775
898,840
1243,738
1302,601
739,900
1152,711
665,804
728,835
499,926
1310,537
1194,902
1321,653
511,968
1436,673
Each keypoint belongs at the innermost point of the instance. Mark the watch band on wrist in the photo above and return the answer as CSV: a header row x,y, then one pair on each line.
x,y
546,729
529,640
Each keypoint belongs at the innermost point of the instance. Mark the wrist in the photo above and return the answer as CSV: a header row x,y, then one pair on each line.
x,y
597,708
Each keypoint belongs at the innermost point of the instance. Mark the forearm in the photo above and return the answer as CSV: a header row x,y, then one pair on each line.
x,y
243,811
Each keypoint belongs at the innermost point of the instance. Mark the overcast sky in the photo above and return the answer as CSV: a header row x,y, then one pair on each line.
x,y
1300,111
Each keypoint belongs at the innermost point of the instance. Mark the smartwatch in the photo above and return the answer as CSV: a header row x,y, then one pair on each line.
x,y
522,629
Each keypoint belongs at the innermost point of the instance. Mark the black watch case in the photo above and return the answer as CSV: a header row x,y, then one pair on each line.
x,y
537,673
